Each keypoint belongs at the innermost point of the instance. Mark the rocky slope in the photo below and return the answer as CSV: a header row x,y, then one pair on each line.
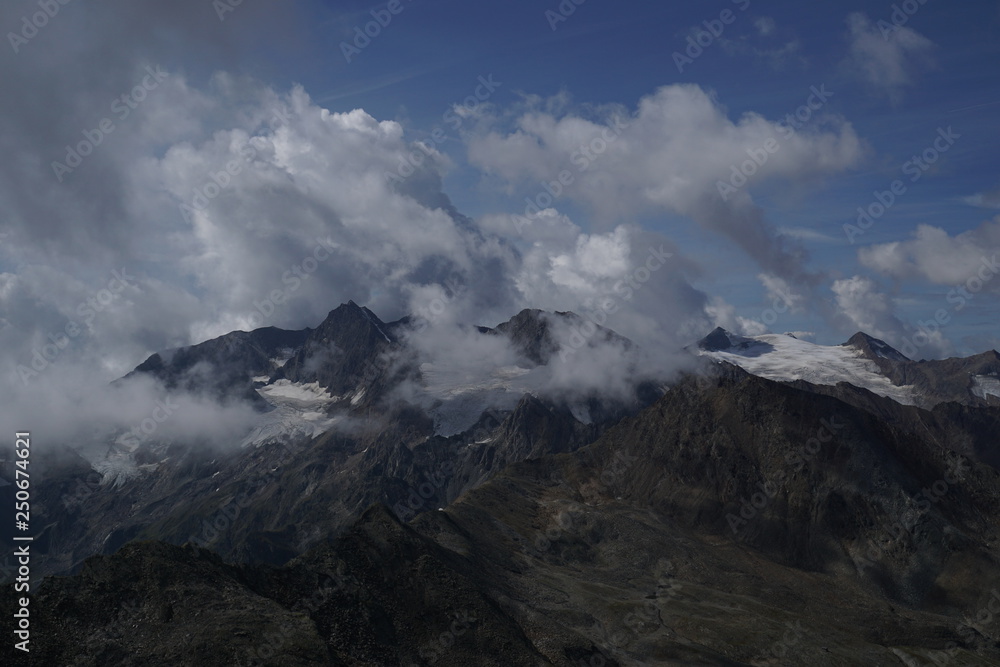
x,y
331,440
736,521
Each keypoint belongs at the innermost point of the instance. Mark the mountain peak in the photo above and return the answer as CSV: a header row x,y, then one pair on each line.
x,y
530,331
718,339
346,309
874,348
352,315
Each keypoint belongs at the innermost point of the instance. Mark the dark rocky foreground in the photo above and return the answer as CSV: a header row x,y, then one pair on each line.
x,y
736,521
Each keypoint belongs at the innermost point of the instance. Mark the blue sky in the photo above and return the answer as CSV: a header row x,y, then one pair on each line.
x,y
764,62
313,137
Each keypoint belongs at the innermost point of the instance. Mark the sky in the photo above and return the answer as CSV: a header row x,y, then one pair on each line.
x,y
176,171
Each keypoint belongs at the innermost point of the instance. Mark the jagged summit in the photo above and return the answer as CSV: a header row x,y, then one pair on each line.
x,y
341,351
496,486
863,361
539,335
720,339
223,366
717,340
874,348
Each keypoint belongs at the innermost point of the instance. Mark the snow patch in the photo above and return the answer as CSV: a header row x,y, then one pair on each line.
x,y
299,412
461,397
358,396
116,469
286,391
786,359
377,327
985,385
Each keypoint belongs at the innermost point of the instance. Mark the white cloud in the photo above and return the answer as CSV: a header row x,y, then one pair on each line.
x,y
765,26
805,234
780,292
676,149
279,178
885,56
873,312
723,314
935,256
868,309
987,199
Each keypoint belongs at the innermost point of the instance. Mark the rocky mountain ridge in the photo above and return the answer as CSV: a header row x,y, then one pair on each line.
x,y
735,521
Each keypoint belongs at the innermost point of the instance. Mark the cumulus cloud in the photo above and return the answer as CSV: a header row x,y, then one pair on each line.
x,y
219,202
723,314
633,281
780,292
671,154
867,309
937,257
223,203
887,57
105,423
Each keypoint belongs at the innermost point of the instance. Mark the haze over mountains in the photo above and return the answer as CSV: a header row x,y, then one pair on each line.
x,y
424,333
756,501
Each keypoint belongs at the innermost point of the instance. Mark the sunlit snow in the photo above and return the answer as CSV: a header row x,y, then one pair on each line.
x,y
784,358
299,411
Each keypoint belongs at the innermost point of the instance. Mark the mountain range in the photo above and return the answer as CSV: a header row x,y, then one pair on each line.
x,y
767,501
